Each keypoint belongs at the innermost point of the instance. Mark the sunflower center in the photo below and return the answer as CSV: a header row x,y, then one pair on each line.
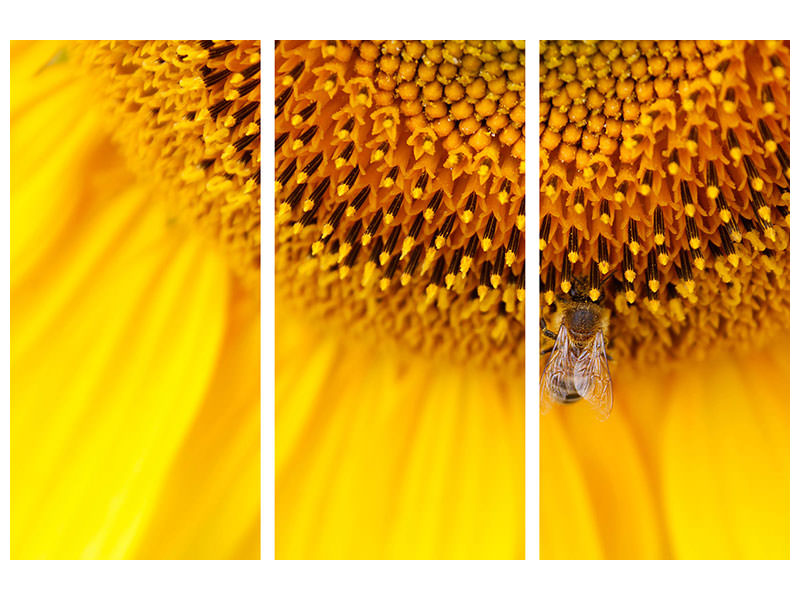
x,y
187,115
665,183
400,190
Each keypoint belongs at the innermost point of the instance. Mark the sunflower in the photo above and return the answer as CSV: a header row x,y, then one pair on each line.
x,y
134,300
400,212
664,173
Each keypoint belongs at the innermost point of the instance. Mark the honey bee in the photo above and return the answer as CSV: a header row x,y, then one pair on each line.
x,y
577,367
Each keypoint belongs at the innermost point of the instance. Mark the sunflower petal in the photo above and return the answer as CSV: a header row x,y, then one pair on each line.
x,y
725,458
391,457
101,401
210,500
54,138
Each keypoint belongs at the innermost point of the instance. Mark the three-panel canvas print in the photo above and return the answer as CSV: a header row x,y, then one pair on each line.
x,y
395,266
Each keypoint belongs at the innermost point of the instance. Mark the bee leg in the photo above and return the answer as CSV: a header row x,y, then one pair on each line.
x,y
545,330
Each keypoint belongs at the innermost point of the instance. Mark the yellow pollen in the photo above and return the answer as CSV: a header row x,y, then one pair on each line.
x,y
700,263
408,243
464,265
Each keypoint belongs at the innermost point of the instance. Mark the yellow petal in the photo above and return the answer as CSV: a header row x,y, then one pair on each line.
x,y
606,458
55,136
725,465
386,456
102,402
210,500
693,463
568,527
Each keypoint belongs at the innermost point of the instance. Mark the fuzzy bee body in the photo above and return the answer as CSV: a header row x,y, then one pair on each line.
x,y
577,367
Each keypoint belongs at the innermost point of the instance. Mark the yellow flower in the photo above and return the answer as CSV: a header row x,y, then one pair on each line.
x,y
400,299
134,347
665,193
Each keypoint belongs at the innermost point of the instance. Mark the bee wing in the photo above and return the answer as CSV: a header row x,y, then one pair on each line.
x,y
555,373
592,377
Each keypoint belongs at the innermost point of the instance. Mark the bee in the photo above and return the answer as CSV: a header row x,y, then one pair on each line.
x,y
577,367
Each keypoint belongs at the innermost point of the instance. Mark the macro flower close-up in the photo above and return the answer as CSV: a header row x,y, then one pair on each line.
x,y
664,292
135,325
400,299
